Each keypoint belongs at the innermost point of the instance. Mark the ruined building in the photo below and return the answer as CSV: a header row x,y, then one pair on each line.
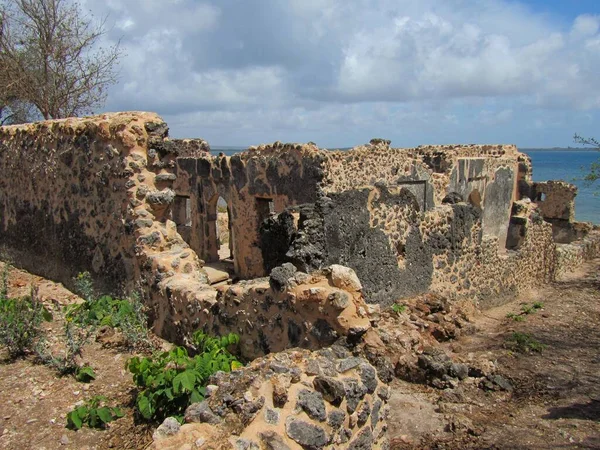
x,y
113,195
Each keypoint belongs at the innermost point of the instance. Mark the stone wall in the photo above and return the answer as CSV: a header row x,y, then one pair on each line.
x,y
113,195
253,184
292,400
93,194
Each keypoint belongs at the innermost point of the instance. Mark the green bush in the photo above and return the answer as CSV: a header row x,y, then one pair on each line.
x,y
76,335
20,319
126,314
524,343
93,413
171,381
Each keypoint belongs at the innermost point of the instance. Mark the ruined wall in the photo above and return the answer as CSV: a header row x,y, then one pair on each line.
x,y
327,399
94,194
253,184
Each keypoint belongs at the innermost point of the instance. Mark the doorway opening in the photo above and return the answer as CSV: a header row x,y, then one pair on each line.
x,y
224,234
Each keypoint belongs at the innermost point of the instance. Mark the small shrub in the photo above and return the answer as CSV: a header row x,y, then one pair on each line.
x,y
76,335
93,413
85,374
84,286
524,343
398,309
171,381
20,322
126,314
538,305
515,317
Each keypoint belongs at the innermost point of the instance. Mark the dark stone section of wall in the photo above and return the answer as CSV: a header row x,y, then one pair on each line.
x,y
308,247
276,235
352,242
58,251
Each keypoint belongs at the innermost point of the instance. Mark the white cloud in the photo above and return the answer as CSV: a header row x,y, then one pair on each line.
x,y
321,66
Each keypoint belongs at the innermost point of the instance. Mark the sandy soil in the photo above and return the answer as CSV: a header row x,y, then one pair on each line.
x,y
555,402
35,401
556,398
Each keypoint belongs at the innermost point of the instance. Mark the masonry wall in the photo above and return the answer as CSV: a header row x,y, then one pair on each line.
x,y
279,175
94,194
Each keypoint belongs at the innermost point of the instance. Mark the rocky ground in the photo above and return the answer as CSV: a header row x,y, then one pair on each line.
x,y
35,401
529,400
551,399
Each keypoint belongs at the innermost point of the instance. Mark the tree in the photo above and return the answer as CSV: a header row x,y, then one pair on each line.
x,y
594,174
51,61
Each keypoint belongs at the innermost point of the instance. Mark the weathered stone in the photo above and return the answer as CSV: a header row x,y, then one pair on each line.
x,y
246,444
375,413
344,278
312,403
363,413
368,376
355,391
383,392
272,441
348,364
271,416
169,427
311,437
281,384
364,441
336,418
460,371
200,413
339,299
280,276
165,177
332,390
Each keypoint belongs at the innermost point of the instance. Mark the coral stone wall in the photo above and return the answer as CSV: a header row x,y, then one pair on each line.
x,y
95,194
254,184
327,399
65,195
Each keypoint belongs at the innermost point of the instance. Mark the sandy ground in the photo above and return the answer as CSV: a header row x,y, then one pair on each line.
x,y
555,402
556,398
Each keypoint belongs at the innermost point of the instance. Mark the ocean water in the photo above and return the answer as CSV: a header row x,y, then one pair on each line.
x,y
567,165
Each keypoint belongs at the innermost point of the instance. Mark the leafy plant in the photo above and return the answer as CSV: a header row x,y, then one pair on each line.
x,y
76,335
4,282
171,381
524,343
94,413
85,374
126,314
515,317
398,309
20,321
84,286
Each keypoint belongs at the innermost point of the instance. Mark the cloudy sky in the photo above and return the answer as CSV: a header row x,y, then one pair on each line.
x,y
339,72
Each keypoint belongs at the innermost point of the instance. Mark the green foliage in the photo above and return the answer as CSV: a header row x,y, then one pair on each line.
x,y
76,335
525,311
524,343
126,314
84,286
593,173
85,374
20,320
398,309
515,317
94,413
171,381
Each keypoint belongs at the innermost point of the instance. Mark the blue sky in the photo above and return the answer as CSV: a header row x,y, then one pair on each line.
x,y
340,72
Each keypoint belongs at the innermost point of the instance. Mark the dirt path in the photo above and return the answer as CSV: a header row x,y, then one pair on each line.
x,y
555,402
